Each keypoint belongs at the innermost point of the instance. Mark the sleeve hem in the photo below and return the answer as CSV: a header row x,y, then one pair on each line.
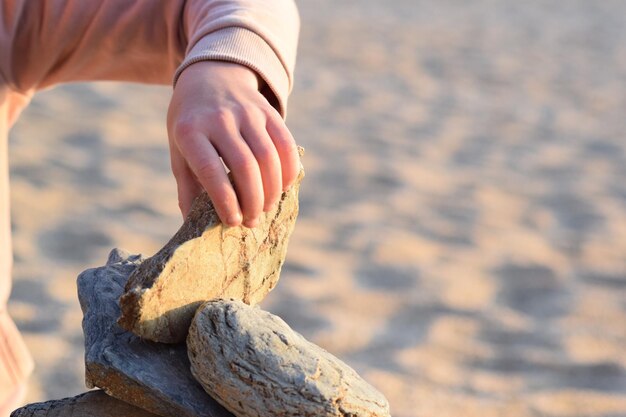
x,y
242,46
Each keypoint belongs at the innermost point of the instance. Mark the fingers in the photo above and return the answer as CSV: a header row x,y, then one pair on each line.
x,y
256,147
245,171
266,155
285,145
203,159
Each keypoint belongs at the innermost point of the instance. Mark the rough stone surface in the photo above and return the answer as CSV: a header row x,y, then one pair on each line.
x,y
206,260
89,404
152,376
255,365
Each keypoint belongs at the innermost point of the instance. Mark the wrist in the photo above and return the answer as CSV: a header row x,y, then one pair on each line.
x,y
222,71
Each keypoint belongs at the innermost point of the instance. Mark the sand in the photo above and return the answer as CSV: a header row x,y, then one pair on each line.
x,y
462,237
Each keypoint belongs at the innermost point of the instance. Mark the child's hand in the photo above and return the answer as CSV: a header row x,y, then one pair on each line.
x,y
218,112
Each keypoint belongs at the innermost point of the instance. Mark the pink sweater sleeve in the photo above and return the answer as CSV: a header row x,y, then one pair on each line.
x,y
46,42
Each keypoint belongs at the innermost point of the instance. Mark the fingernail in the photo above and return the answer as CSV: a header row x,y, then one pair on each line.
x,y
234,219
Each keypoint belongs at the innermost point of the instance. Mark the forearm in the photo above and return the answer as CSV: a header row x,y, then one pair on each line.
x,y
54,41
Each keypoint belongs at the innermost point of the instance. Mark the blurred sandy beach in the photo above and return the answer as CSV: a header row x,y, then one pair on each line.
x,y
462,235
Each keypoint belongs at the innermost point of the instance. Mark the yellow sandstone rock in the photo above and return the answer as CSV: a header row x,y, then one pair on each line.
x,y
206,260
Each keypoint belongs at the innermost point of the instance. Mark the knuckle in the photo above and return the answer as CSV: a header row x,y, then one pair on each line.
x,y
209,170
184,129
285,144
221,117
262,114
276,120
270,112
243,165
264,153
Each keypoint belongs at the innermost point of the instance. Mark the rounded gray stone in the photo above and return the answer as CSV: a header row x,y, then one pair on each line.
x,y
254,364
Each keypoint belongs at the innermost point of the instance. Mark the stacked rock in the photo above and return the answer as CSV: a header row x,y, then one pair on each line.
x,y
155,346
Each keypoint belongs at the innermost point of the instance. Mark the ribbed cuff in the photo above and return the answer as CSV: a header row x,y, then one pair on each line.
x,y
242,46
16,363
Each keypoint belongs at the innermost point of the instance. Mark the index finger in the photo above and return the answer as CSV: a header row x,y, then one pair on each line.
x,y
206,164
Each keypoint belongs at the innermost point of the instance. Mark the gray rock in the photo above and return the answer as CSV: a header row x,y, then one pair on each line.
x,y
89,404
206,260
152,376
255,365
